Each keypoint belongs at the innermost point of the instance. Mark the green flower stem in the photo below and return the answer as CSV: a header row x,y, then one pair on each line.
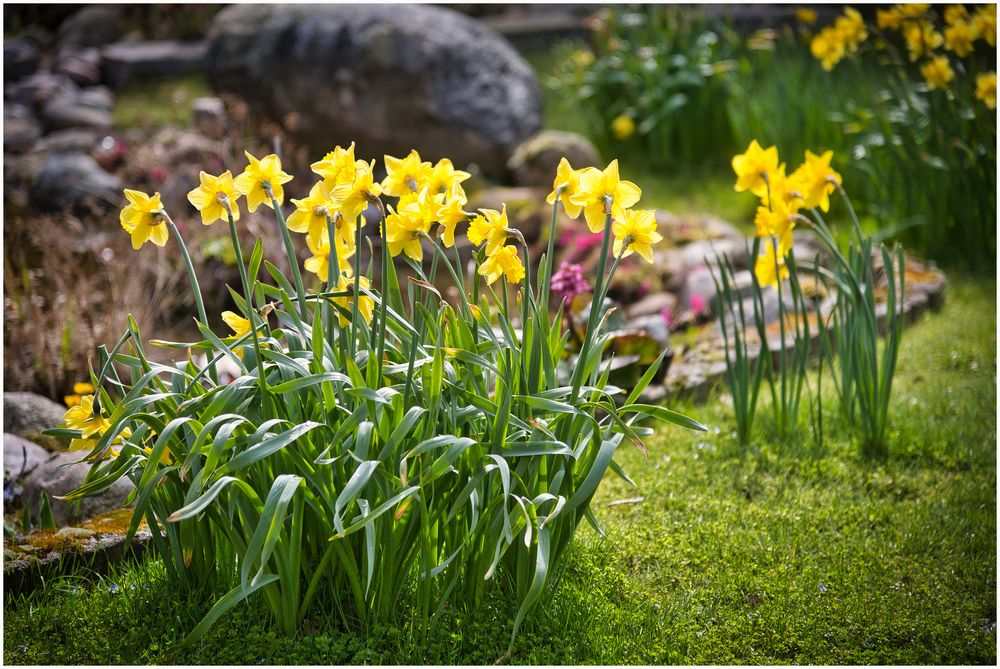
x,y
595,305
547,277
332,274
383,305
454,277
357,286
248,296
195,288
290,250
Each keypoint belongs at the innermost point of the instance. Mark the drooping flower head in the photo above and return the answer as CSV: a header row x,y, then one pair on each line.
x,y
319,262
753,168
600,191
775,222
366,305
816,180
450,214
407,175
769,268
565,186
215,197
81,417
260,180
635,231
142,219
444,178
505,262
490,226
921,38
828,47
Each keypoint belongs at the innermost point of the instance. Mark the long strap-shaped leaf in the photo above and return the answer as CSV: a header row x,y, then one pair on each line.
x,y
267,447
269,527
231,599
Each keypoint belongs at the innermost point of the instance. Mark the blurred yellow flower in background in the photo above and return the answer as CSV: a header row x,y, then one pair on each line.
x,y
768,268
753,166
813,178
622,127
959,38
937,72
986,88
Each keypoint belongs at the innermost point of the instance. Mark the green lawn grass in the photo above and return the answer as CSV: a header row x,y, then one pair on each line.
x,y
782,554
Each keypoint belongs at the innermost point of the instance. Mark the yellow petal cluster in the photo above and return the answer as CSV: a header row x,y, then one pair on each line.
x,y
937,72
635,231
260,180
986,88
366,305
81,417
142,219
504,262
600,191
215,197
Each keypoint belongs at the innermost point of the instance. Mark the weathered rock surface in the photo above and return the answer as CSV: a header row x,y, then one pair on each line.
x,y
27,415
74,181
209,117
391,77
81,64
93,25
21,457
62,474
127,61
534,162
20,58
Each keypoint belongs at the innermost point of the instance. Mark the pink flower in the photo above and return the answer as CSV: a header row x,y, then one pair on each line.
x,y
569,281
667,315
696,304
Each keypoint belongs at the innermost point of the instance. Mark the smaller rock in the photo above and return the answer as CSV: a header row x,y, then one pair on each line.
x,y
126,61
82,65
67,112
27,415
71,140
209,117
653,304
20,58
97,97
20,134
698,295
77,182
21,457
64,473
93,25
535,161
40,88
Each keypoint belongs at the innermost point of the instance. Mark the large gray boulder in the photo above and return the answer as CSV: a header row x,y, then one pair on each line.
x,y
62,474
21,457
75,181
391,77
27,415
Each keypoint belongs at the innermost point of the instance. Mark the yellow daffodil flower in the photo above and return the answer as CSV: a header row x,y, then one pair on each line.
x,y
912,10
753,168
851,28
959,38
81,417
806,15
312,211
954,14
490,226
505,262
258,176
888,19
354,197
450,214
985,21
78,390
986,88
921,38
141,219
937,72
635,231
239,325
444,178
565,186
622,127
813,178
366,305
768,268
597,187
319,263
828,47
337,167
404,229
407,175
775,222
211,196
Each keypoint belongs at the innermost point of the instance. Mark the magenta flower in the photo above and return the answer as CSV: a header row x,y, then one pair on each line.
x,y
568,281
696,304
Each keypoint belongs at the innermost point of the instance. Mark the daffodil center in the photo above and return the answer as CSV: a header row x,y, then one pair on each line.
x,y
411,183
320,211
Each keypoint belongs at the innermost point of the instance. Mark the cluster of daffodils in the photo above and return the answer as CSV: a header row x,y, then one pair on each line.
x,y
782,196
923,39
